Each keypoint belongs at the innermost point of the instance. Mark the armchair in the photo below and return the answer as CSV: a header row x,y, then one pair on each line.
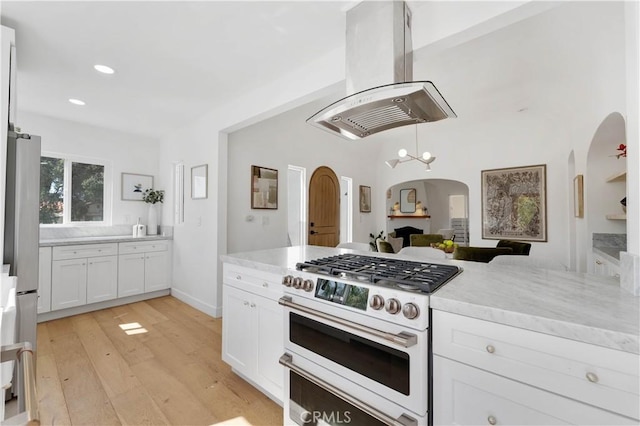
x,y
518,247
425,240
480,254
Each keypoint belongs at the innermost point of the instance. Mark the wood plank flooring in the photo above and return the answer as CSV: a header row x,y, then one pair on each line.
x,y
156,362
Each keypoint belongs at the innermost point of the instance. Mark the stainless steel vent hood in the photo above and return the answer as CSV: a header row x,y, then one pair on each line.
x,y
379,73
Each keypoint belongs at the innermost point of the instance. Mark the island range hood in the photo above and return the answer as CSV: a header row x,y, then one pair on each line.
x,y
379,70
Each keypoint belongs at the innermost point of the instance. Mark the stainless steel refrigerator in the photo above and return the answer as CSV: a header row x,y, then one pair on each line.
x,y
22,230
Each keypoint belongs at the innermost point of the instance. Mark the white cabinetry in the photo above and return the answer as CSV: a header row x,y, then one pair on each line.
x,y
144,266
492,373
44,280
252,334
603,267
82,274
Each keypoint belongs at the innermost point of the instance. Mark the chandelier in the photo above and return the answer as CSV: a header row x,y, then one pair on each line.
x,y
426,158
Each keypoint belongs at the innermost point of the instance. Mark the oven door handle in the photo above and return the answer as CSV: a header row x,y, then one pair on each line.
x,y
404,420
403,339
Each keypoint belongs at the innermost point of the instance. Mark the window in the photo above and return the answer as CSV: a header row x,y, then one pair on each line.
x,y
72,190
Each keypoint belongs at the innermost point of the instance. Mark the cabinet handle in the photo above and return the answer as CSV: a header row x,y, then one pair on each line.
x,y
598,262
491,350
492,420
83,263
265,285
592,377
238,277
253,305
246,303
616,275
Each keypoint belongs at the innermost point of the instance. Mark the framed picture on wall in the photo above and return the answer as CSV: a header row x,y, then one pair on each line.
x,y
134,185
514,203
365,199
264,188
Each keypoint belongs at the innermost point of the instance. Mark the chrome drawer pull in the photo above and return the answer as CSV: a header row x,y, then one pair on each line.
x,y
403,339
265,285
238,277
492,420
592,377
404,420
491,350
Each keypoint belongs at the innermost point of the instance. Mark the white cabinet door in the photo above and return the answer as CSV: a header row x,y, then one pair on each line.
x,y
44,280
68,283
238,335
270,344
130,274
102,278
156,271
464,395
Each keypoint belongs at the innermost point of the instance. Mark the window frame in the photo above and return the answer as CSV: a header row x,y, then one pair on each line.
x,y
107,194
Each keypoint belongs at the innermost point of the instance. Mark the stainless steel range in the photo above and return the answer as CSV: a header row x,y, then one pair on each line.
x,y
357,340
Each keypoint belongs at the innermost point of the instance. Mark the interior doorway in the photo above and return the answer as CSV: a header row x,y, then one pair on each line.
x,y
296,206
324,208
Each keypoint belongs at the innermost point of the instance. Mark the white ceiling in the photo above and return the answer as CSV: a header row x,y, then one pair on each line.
x,y
174,61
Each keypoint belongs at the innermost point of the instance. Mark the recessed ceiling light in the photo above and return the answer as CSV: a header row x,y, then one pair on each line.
x,y
76,101
104,69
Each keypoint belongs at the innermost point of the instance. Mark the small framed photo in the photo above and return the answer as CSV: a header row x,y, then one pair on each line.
x,y
199,177
264,188
365,199
134,185
578,196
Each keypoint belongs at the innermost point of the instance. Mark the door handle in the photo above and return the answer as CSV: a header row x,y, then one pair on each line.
x,y
312,232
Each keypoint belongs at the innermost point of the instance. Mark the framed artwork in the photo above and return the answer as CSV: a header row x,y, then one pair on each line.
x,y
134,185
514,203
578,196
199,177
365,199
264,188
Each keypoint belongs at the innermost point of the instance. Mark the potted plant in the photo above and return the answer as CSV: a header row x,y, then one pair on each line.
x,y
151,197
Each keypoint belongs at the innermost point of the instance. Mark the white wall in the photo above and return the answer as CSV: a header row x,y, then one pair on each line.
x,y
125,152
276,143
438,192
525,95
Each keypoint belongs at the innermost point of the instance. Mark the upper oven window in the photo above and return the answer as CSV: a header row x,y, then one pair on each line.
x,y
380,363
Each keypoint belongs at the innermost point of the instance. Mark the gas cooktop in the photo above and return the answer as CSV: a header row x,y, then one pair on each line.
x,y
409,275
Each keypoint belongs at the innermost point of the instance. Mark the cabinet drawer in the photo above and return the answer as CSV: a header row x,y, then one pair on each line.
x,y
464,395
600,376
143,247
84,250
262,283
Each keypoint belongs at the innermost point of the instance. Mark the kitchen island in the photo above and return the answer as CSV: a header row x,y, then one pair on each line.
x,y
564,340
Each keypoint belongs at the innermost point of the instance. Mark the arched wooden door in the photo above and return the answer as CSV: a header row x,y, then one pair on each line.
x,y
324,208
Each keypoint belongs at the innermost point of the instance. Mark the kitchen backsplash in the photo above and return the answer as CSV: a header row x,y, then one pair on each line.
x,y
610,240
55,232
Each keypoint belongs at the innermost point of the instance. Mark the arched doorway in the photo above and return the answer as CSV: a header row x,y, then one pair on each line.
x,y
324,208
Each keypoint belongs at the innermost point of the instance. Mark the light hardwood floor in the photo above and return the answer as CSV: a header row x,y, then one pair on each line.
x,y
156,362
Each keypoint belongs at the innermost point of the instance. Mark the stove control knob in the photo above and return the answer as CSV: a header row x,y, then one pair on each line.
x,y
307,285
410,311
377,302
297,282
287,280
392,306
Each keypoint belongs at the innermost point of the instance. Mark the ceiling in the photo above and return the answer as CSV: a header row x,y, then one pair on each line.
x,y
174,61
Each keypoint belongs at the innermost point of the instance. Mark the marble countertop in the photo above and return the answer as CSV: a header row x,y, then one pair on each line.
x,y
99,239
582,307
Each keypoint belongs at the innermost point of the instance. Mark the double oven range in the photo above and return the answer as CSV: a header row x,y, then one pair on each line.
x,y
357,340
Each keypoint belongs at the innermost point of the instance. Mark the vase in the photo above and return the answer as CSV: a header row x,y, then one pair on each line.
x,y
152,220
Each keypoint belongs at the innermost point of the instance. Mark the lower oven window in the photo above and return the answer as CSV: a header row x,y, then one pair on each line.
x,y
377,362
312,405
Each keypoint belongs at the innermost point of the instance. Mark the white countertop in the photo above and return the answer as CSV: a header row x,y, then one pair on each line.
x,y
582,307
99,239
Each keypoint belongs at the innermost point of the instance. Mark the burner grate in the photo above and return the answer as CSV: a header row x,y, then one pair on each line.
x,y
425,276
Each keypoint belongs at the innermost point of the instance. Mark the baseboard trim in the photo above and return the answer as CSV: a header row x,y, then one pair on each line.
x,y
48,316
214,311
